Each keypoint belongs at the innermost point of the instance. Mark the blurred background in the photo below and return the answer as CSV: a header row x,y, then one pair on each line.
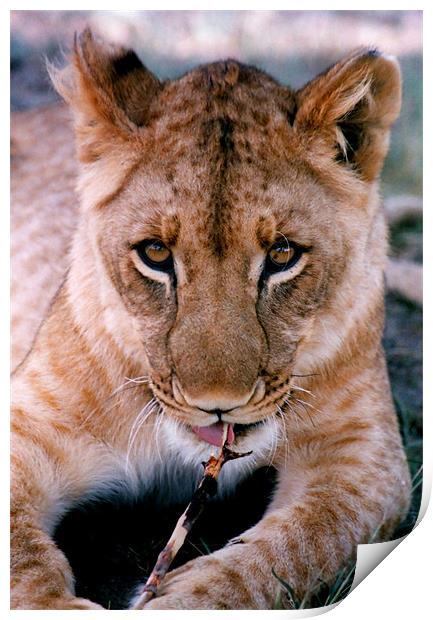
x,y
293,46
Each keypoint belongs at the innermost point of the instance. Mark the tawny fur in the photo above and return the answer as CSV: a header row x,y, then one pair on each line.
x,y
217,165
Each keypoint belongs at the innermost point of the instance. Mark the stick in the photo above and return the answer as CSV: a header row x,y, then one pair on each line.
x,y
206,489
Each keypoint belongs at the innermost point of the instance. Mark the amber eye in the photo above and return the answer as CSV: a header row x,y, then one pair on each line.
x,y
155,254
282,255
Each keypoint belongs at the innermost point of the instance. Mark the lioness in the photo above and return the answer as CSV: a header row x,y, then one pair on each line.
x,y
228,261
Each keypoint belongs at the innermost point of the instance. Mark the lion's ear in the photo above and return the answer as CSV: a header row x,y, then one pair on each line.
x,y
109,90
353,104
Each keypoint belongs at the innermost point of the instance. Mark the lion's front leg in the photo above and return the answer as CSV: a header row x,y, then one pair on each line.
x,y
41,577
43,483
324,507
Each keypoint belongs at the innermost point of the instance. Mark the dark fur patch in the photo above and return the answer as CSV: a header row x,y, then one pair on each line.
x,y
291,115
219,200
353,132
354,137
126,64
226,138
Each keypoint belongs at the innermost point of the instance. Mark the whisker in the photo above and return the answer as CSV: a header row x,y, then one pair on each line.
x,y
297,415
314,374
142,379
296,387
138,423
303,405
158,430
285,443
121,389
141,417
117,392
275,437
93,411
299,400
282,418
134,380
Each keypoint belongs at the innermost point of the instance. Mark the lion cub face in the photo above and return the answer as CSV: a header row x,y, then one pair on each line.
x,y
228,212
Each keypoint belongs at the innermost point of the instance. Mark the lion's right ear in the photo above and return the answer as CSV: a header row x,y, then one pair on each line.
x,y
109,91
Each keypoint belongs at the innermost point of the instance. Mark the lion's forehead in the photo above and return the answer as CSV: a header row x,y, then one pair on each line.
x,y
223,204
222,115
222,160
215,214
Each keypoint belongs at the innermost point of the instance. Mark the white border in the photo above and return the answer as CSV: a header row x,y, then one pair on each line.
x,y
401,585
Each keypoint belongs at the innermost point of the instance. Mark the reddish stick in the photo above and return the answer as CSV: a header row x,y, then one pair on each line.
x,y
206,489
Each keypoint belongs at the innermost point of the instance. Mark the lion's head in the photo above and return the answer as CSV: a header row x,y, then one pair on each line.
x,y
235,220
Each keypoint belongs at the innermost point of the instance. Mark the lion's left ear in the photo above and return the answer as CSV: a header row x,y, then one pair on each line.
x,y
353,105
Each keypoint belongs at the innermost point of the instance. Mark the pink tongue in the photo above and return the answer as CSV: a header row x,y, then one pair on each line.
x,y
213,434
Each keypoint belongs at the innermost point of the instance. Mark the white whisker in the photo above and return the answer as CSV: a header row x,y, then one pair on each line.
x,y
157,431
134,380
283,421
304,407
299,400
292,411
282,417
296,387
142,379
275,438
123,387
138,423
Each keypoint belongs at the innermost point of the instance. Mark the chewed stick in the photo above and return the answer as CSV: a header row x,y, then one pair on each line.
x,y
206,489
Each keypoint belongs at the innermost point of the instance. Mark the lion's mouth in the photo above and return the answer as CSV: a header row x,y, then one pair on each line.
x,y
213,434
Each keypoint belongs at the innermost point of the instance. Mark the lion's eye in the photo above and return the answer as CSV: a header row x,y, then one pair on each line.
x,y
155,255
282,255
